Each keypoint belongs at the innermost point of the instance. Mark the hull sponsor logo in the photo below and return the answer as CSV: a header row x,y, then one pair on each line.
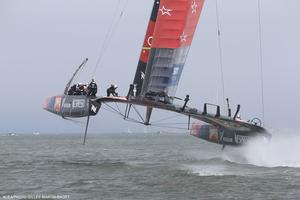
x,y
94,109
227,139
78,103
67,105
240,139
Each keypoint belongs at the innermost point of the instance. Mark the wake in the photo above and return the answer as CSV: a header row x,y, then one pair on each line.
x,y
281,151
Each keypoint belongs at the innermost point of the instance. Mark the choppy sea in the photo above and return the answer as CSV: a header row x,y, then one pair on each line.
x,y
146,166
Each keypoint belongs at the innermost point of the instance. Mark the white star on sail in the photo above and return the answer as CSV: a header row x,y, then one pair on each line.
x,y
194,7
183,37
165,11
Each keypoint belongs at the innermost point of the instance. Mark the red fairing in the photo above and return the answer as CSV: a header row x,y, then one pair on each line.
x,y
176,23
147,42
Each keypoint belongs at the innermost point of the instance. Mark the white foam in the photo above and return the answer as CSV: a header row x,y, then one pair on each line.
x,y
204,170
281,151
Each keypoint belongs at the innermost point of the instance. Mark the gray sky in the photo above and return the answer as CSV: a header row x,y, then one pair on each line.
x,y
42,42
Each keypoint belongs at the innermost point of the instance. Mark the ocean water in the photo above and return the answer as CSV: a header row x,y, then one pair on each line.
x,y
146,166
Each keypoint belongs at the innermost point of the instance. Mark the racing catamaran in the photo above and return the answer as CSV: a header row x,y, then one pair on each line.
x,y
166,45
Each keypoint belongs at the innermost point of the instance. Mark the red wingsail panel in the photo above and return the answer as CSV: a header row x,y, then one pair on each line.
x,y
176,23
147,42
175,26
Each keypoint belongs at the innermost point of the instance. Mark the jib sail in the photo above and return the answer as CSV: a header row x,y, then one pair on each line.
x,y
174,29
141,68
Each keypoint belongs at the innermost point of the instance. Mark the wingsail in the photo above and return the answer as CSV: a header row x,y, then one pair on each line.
x,y
174,29
141,68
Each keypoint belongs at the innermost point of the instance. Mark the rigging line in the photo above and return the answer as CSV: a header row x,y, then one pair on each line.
x,y
128,119
261,62
118,107
114,109
72,80
111,111
113,25
134,121
136,110
220,53
103,46
167,118
78,74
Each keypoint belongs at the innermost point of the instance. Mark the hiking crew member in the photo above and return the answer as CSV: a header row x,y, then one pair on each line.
x,y
186,100
92,88
112,90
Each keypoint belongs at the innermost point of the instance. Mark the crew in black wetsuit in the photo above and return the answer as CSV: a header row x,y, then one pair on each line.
x,y
186,100
112,90
78,89
82,88
72,90
92,88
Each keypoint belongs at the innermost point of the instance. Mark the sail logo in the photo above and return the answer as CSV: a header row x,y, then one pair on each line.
x,y
149,41
142,75
165,11
175,71
194,7
183,37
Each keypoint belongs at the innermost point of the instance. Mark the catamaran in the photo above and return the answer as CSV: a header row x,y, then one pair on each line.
x,y
166,45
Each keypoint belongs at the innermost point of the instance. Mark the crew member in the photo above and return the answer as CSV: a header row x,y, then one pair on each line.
x,y
92,88
187,98
112,90
239,118
72,90
82,88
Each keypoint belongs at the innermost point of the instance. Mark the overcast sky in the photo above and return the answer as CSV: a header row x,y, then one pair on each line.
x,y
42,42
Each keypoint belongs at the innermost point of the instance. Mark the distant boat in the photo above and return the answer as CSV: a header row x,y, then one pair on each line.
x,y
36,133
10,134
